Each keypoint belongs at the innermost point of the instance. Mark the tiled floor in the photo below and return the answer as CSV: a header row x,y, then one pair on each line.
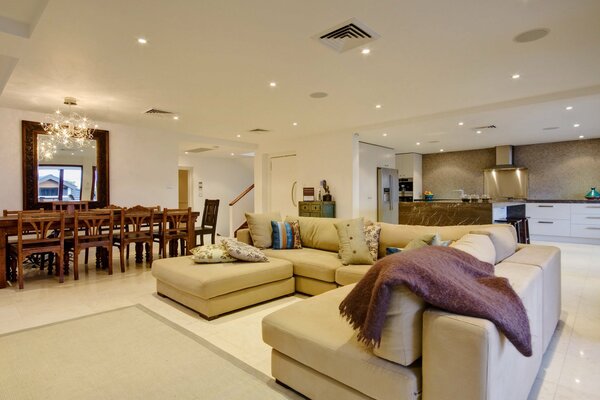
x,y
571,368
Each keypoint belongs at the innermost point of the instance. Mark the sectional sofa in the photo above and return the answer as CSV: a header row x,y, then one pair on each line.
x,y
425,353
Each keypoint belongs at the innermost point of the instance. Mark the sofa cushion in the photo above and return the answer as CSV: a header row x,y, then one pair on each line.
x,y
318,233
393,235
311,263
349,274
243,251
504,238
313,333
212,280
353,246
286,235
211,253
260,228
479,246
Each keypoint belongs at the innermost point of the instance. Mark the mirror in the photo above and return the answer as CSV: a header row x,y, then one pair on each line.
x,y
63,172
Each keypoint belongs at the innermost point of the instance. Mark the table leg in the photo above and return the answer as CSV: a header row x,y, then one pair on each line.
x,y
139,253
3,263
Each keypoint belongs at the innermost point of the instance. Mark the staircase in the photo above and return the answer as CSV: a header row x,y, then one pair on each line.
x,y
238,208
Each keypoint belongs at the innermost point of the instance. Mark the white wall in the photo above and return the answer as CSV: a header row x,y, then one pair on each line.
x,y
370,158
143,163
330,157
222,178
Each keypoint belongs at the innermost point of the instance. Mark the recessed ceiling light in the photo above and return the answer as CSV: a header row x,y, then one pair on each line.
x,y
418,143
441,150
175,117
576,125
238,135
273,84
365,51
478,132
142,40
577,380
384,134
186,152
233,154
461,123
516,76
81,150
72,154
378,106
295,123
581,136
95,126
568,108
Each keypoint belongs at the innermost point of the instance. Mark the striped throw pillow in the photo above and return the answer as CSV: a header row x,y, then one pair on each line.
x,y
286,235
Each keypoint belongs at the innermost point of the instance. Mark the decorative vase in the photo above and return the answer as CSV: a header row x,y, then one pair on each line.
x,y
593,194
428,197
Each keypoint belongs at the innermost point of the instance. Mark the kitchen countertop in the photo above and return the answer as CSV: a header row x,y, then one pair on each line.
x,y
504,203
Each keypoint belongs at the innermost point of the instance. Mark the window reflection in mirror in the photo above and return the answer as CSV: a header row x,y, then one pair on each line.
x,y
67,173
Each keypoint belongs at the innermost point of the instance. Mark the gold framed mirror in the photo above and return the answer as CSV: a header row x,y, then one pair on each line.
x,y
79,173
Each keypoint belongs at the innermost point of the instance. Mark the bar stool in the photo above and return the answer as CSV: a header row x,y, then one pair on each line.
x,y
521,226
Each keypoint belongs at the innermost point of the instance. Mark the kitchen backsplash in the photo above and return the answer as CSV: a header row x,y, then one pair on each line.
x,y
561,170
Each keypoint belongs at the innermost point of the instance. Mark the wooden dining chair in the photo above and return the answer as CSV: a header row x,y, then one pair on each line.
x,y
209,221
176,226
97,233
37,259
34,237
136,226
70,206
10,213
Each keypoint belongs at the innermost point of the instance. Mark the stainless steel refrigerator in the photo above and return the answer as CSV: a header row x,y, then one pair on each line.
x,y
387,195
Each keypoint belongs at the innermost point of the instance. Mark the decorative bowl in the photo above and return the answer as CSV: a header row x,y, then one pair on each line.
x,y
428,197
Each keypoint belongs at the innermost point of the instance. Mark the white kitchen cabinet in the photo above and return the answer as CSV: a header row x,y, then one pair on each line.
x,y
585,220
549,210
410,165
575,222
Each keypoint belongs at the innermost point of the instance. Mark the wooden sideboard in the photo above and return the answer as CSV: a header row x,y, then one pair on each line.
x,y
323,209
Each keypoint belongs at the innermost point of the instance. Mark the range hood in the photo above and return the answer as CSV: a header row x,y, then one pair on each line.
x,y
504,158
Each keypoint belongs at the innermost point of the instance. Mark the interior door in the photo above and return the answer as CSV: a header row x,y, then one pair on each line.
x,y
183,188
283,185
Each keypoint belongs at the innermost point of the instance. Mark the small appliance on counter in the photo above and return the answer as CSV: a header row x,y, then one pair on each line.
x,y
593,194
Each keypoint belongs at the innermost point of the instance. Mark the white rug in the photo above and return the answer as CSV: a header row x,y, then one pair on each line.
x,y
128,353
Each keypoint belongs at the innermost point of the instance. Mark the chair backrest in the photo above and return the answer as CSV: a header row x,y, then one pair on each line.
x,y
70,206
94,226
40,228
10,213
138,207
177,222
137,221
209,215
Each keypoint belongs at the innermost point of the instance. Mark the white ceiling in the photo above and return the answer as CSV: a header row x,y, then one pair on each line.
x,y
436,63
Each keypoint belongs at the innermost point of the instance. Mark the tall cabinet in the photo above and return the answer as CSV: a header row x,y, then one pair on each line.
x,y
410,165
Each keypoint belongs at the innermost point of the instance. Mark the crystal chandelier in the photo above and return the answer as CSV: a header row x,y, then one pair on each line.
x,y
66,131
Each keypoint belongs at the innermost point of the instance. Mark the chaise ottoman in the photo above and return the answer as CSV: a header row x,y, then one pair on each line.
x,y
215,289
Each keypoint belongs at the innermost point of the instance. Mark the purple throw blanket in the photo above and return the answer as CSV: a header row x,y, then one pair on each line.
x,y
444,277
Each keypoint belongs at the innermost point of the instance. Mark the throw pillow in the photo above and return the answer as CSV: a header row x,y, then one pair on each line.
x,y
286,235
479,246
260,229
392,250
210,254
437,241
421,241
504,238
372,233
353,246
243,251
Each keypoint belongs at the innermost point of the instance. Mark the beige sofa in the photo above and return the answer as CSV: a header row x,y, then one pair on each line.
x,y
425,353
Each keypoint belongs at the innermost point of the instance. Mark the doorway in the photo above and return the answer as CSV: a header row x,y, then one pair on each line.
x,y
185,187
283,185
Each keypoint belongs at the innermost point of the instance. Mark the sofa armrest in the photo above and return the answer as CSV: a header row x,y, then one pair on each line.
x,y
243,235
468,358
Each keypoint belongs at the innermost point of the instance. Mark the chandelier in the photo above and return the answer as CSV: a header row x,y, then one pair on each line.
x,y
65,131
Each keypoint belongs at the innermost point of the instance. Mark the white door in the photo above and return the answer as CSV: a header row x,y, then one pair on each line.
x,y
284,185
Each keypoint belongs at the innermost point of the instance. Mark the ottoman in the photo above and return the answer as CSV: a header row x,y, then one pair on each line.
x,y
215,289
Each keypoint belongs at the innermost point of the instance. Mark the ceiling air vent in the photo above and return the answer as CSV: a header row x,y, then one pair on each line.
x,y
258,131
477,128
157,112
347,35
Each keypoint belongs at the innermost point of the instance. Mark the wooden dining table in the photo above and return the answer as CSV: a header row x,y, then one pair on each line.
x,y
9,227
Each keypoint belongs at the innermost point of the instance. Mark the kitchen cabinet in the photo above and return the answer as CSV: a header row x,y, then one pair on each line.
x,y
410,165
573,222
585,220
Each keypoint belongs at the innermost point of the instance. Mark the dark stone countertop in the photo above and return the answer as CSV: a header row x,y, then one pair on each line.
x,y
507,202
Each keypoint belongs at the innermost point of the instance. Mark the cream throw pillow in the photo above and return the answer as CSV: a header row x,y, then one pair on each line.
x,y
353,246
260,229
479,246
504,238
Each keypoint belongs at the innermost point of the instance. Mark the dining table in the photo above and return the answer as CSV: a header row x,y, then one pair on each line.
x,y
9,227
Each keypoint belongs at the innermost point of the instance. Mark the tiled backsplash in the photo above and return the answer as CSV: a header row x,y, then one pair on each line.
x,y
561,170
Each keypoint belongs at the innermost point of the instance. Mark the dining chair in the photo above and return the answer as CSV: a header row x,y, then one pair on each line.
x,y
70,206
37,259
136,226
97,232
176,226
34,237
209,221
10,213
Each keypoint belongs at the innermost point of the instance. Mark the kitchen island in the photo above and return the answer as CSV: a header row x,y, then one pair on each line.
x,y
456,212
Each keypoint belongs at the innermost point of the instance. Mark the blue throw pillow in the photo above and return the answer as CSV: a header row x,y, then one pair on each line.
x,y
286,235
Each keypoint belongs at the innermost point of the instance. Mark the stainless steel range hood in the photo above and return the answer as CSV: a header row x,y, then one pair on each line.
x,y
504,158
505,180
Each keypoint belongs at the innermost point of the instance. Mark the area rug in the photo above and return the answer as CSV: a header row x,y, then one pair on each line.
x,y
128,353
